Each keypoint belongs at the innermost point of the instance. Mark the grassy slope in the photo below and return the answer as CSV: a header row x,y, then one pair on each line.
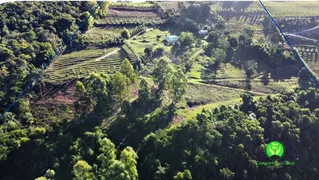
x,y
98,34
192,112
151,40
297,8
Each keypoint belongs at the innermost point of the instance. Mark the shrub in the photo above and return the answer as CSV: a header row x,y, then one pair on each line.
x,y
125,34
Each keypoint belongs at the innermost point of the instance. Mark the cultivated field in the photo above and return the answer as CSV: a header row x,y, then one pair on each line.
x,y
116,16
82,63
293,8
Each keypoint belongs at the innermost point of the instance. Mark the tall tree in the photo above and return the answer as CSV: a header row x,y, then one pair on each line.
x,y
89,23
107,156
82,170
129,159
119,87
179,85
128,70
104,8
144,93
162,73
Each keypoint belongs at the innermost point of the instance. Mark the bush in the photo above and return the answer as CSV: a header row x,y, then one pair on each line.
x,y
186,39
125,34
158,52
38,131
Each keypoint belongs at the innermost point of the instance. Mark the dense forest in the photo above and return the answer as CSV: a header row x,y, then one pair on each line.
x,y
127,123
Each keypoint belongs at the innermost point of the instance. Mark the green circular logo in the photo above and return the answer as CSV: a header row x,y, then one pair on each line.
x,y
275,150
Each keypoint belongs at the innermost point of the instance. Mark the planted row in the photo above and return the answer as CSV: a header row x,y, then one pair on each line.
x,y
133,21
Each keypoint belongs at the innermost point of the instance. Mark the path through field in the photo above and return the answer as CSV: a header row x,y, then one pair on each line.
x,y
296,34
310,29
302,37
107,55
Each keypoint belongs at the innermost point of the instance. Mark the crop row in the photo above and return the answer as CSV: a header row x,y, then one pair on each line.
x,y
131,54
308,49
108,65
132,6
241,10
130,21
135,14
248,19
115,40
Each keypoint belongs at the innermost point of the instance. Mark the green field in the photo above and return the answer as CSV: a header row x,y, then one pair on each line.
x,y
261,86
149,40
294,8
200,93
99,35
191,113
247,6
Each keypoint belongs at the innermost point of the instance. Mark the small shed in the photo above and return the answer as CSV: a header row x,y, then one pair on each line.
x,y
171,38
202,32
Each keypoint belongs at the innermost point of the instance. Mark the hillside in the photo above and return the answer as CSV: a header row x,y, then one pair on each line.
x,y
158,90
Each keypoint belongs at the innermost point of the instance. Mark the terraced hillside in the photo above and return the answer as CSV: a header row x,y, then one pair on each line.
x,y
126,16
299,21
82,63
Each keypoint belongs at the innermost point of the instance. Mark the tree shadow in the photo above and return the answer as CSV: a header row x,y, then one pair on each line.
x,y
138,121
172,28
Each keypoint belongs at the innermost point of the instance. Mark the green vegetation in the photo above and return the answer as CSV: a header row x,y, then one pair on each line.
x,y
298,8
149,40
121,103
96,34
125,34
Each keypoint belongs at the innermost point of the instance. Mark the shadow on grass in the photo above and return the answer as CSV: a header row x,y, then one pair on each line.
x,y
138,121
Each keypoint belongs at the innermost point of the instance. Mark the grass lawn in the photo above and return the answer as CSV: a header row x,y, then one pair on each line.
x,y
150,40
97,34
296,8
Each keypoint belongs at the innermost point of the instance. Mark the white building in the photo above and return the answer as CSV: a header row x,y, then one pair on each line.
x,y
202,32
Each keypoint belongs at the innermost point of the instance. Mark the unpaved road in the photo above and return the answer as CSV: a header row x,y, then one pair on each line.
x,y
295,34
302,37
107,55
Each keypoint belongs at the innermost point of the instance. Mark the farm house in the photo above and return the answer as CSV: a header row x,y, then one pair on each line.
x,y
171,39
